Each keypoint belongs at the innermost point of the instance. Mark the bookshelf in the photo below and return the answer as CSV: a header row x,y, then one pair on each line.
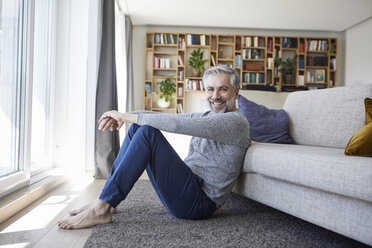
x,y
253,56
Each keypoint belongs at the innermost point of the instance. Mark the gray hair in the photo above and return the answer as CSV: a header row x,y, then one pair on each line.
x,y
234,76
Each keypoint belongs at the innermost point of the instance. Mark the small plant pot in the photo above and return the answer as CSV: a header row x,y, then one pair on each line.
x,y
196,72
162,103
288,79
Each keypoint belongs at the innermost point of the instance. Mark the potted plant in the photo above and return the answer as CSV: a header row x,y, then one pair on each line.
x,y
287,67
197,62
167,88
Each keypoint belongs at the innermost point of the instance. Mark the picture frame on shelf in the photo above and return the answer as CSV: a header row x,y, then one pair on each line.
x,y
319,76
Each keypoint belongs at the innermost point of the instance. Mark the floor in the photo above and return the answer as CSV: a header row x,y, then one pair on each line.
x,y
36,226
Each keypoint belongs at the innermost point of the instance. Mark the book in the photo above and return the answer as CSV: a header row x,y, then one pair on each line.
x,y
238,59
180,59
148,90
180,92
179,108
301,80
213,61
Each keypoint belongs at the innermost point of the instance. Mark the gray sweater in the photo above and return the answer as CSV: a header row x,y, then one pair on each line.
x,y
217,148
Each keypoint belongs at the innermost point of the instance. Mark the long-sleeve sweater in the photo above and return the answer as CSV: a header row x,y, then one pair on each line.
x,y
217,148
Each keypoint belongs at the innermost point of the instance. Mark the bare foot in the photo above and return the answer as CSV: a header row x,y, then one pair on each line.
x,y
79,210
97,213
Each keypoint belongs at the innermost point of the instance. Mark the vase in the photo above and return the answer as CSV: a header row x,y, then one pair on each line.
x,y
162,103
196,72
288,78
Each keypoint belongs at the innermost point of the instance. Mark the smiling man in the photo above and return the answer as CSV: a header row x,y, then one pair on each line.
x,y
191,189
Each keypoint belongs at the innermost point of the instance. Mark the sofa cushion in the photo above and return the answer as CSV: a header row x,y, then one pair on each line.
x,y
266,125
326,117
325,169
361,142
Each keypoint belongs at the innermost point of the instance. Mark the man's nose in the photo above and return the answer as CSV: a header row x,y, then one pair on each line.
x,y
216,94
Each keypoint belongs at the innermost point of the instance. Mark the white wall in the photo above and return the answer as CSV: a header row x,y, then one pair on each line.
x,y
358,57
274,101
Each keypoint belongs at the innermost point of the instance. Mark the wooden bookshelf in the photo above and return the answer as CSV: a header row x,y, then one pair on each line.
x,y
166,56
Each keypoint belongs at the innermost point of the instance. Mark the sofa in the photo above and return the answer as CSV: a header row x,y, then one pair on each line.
x,y
313,179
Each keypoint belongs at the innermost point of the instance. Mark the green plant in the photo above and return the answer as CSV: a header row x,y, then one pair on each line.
x,y
196,60
286,66
167,88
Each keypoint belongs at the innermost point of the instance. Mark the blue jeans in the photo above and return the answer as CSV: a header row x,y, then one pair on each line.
x,y
179,190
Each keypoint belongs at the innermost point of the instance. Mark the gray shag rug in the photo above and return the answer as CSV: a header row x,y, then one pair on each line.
x,y
142,221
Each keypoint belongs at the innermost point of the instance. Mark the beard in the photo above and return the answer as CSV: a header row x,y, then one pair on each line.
x,y
229,104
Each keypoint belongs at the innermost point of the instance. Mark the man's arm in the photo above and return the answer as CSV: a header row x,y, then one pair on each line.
x,y
230,128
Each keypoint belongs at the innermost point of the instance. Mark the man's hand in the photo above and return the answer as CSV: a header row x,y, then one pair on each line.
x,y
115,120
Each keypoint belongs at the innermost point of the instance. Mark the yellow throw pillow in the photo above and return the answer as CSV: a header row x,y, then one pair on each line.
x,y
361,143
368,104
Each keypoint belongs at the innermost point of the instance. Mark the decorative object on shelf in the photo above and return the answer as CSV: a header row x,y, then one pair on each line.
x,y
163,104
167,88
197,62
253,67
287,67
319,76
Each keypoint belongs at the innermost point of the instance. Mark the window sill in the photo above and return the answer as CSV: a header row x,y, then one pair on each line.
x,y
22,198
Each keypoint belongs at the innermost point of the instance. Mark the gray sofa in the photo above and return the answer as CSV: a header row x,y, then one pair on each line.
x,y
313,179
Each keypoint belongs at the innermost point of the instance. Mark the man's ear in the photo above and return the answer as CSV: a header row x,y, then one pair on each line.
x,y
236,93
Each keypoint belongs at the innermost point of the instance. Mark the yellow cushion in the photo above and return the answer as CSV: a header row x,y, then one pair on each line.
x,y
361,143
368,104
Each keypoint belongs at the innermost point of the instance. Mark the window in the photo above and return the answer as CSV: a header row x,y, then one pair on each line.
x,y
25,87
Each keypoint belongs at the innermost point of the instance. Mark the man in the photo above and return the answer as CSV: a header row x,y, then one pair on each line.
x,y
192,189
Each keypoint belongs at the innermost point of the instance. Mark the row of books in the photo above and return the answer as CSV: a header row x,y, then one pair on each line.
x,y
301,64
251,54
289,42
180,59
180,75
160,62
249,77
277,52
270,46
317,45
276,71
270,63
196,40
317,61
194,84
165,39
251,41
182,43
302,48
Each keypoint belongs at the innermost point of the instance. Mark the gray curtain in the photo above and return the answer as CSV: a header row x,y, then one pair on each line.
x,y
106,143
129,69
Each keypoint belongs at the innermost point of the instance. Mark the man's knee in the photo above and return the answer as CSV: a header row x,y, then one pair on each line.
x,y
149,131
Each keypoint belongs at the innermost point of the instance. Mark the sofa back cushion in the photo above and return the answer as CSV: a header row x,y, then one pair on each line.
x,y
326,117
265,125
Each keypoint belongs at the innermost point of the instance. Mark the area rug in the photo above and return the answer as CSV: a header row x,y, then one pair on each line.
x,y
142,221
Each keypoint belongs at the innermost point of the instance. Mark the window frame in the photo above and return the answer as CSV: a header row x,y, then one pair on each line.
x,y
23,175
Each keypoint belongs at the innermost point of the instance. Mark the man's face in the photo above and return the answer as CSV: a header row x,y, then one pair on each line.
x,y
220,93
